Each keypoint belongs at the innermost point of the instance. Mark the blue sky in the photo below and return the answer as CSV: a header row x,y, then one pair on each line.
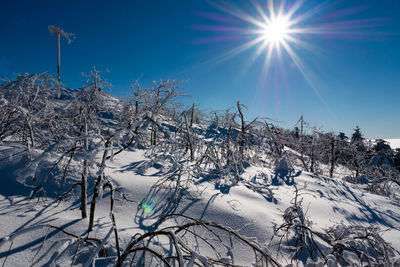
x,y
352,77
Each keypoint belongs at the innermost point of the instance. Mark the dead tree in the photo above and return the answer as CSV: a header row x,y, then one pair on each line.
x,y
58,33
244,128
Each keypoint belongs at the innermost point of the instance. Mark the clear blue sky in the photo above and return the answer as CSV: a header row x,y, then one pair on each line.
x,y
353,76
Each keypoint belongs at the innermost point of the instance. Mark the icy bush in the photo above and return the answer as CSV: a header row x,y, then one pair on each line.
x,y
361,246
282,163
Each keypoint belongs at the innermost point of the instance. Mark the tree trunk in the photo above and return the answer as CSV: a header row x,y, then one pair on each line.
x,y
357,167
30,132
96,187
312,155
191,116
332,157
153,136
93,204
58,57
84,177
228,150
84,189
243,130
189,138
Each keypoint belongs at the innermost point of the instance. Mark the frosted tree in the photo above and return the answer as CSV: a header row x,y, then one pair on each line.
x,y
29,110
245,127
382,153
88,104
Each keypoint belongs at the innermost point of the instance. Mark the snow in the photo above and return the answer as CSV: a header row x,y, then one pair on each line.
x,y
394,142
229,203
245,208
217,193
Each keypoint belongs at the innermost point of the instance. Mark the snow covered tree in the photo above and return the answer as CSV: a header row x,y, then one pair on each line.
x,y
382,153
30,112
87,107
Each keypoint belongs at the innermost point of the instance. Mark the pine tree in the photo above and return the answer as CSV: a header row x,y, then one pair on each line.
x,y
357,135
342,136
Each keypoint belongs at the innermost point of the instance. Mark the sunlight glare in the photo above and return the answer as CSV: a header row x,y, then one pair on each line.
x,y
276,30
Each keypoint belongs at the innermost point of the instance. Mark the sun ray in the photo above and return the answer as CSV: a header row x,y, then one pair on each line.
x,y
271,9
303,44
276,30
238,13
291,11
240,49
261,12
309,14
307,76
281,8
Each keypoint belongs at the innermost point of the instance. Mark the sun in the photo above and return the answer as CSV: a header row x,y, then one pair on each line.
x,y
273,28
276,30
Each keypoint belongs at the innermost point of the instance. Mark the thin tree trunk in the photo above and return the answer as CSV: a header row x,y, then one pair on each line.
x,y
96,187
30,132
114,222
136,108
153,135
312,155
228,150
332,157
58,57
189,139
84,177
84,190
357,167
93,204
191,116
243,130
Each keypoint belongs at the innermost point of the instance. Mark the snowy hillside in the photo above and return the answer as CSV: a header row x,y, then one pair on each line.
x,y
92,180
253,208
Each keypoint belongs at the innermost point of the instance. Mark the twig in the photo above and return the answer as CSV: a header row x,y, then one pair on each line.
x,y
8,252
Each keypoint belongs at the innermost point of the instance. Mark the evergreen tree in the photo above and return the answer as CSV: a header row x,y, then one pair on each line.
x,y
357,135
342,136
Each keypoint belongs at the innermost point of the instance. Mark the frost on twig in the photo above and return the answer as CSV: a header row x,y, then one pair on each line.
x,y
192,242
340,245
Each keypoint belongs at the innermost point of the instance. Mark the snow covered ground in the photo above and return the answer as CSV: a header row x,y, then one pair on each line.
x,y
254,208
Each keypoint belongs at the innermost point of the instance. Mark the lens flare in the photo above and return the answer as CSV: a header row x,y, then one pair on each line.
x,y
150,204
147,208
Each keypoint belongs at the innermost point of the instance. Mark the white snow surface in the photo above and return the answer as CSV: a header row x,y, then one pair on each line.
x,y
394,142
242,207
